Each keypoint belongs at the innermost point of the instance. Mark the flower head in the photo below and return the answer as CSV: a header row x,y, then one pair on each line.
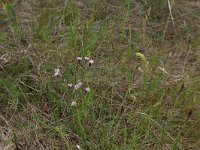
x,y
57,72
78,85
87,90
86,58
79,59
74,104
91,62
70,85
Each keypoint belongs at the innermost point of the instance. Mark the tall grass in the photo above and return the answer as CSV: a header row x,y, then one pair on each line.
x,y
144,82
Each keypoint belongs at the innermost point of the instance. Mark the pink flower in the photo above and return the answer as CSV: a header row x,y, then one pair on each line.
x,y
57,72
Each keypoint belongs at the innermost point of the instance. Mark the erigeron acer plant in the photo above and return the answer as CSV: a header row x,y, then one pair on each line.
x,y
77,86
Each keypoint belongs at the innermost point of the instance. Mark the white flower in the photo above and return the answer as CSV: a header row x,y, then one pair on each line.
x,y
70,85
91,62
57,72
79,59
87,89
74,104
87,58
78,85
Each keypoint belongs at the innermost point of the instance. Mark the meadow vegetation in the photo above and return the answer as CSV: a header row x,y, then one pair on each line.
x,y
137,88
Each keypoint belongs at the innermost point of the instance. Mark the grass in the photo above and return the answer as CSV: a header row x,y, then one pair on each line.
x,y
144,81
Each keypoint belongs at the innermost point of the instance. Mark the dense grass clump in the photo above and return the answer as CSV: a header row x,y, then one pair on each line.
x,y
99,74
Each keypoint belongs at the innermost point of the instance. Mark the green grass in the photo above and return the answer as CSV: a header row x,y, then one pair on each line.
x,y
144,81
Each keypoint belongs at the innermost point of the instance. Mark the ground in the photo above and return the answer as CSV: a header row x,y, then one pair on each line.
x,y
141,92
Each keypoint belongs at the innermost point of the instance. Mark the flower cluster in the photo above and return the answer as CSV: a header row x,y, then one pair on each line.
x,y
87,61
78,85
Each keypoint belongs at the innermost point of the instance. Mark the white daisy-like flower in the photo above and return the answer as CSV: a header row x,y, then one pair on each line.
x,y
87,89
57,72
78,85
91,62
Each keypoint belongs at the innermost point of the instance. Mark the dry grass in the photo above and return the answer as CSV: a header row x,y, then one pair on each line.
x,y
133,104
